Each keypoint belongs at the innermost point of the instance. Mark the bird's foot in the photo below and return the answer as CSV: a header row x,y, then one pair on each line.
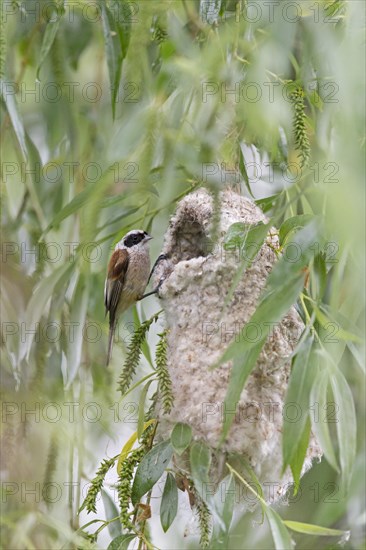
x,y
155,291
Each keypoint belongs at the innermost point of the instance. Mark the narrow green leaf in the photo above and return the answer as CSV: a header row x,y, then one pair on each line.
x,y
141,417
74,205
111,201
319,277
121,216
37,304
243,172
8,95
254,478
169,503
224,503
344,329
150,470
248,239
317,530
127,447
36,183
346,423
181,437
271,309
296,254
357,354
121,542
240,234
315,99
122,14
200,460
236,235
297,402
267,203
48,38
78,309
293,224
284,285
279,532
241,369
145,348
229,500
111,512
299,455
281,536
35,167
116,29
318,399
113,52
79,32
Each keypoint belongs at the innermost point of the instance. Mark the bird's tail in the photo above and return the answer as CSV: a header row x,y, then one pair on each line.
x,y
112,328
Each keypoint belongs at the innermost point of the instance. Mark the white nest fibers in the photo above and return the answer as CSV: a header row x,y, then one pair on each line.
x,y
196,282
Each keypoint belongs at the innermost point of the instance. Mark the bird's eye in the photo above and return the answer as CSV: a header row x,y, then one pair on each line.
x,y
132,240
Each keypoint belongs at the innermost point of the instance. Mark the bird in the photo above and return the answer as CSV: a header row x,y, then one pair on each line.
x,y
127,277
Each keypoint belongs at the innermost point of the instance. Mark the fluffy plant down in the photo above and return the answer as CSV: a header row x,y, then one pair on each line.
x,y
197,278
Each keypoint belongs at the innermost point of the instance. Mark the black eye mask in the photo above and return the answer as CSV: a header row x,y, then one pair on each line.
x,y
132,240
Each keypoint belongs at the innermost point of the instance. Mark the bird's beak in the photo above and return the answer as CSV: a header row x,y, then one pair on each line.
x,y
148,238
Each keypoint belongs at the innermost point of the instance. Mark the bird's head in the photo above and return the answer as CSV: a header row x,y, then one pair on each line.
x,y
134,238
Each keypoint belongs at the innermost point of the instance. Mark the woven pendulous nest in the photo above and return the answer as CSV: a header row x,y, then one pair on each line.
x,y
197,278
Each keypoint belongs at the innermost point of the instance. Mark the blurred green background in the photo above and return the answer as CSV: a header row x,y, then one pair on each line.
x,y
111,112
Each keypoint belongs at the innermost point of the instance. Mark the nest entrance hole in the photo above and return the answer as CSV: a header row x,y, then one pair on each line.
x,y
190,241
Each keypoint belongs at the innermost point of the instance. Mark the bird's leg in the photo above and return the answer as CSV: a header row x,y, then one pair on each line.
x,y
159,259
155,291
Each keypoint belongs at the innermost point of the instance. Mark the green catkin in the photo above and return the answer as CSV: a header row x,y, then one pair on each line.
x,y
204,521
151,411
165,383
97,484
302,143
133,355
147,437
124,486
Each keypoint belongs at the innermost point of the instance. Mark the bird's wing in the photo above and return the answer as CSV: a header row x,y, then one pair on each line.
x,y
117,269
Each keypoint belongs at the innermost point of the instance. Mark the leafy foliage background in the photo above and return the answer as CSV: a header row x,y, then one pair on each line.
x,y
112,111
